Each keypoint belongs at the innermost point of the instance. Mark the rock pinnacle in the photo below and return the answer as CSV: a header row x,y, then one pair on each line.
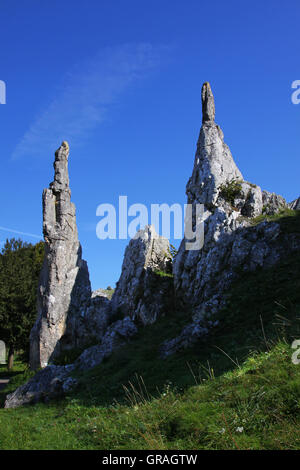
x,y
64,285
208,103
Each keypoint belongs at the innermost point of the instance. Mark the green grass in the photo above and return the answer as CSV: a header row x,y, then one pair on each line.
x,y
163,274
108,292
255,406
262,308
240,378
231,190
17,376
288,219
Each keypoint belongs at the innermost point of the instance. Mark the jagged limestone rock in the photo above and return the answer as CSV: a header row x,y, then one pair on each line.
x,y
96,318
136,294
93,318
101,293
208,104
64,286
56,381
116,336
230,203
295,205
214,168
250,200
49,383
218,184
272,203
247,248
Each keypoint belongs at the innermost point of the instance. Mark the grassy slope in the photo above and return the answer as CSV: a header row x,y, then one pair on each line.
x,y
199,398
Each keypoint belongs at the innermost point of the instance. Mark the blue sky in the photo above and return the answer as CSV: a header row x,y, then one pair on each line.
x,y
121,81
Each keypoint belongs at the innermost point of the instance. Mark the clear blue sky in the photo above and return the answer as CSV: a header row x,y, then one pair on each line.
x,y
121,81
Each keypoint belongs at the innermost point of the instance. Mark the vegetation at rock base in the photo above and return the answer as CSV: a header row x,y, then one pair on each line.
x,y
289,220
108,292
230,190
163,274
20,266
254,406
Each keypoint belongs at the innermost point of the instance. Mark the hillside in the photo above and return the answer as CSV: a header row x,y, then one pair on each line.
x,y
237,388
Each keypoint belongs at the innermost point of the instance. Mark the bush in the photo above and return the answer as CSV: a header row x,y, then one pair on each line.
x,y
230,190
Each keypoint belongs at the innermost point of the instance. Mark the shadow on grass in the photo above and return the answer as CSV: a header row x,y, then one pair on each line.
x,y
262,307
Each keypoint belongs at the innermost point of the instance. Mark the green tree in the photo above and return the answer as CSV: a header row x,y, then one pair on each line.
x,y
20,265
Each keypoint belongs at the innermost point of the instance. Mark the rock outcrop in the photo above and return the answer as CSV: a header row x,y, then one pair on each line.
x,y
142,294
230,203
49,383
64,286
70,316
295,205
56,381
116,336
96,317
137,294
272,203
231,239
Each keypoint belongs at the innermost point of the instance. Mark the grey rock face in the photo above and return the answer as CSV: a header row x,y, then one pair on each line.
x,y
56,381
206,282
213,167
101,293
201,277
208,103
218,184
295,205
95,318
189,335
116,336
51,382
229,204
272,203
135,295
250,200
64,286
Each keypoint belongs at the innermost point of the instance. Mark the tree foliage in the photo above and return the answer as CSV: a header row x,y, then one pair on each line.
x,y
231,190
20,265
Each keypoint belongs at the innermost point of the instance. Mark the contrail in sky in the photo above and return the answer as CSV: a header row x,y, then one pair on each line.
x,y
86,94
6,229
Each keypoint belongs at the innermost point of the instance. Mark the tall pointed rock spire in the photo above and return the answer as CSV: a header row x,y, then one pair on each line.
x,y
208,103
213,175
214,164
64,285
